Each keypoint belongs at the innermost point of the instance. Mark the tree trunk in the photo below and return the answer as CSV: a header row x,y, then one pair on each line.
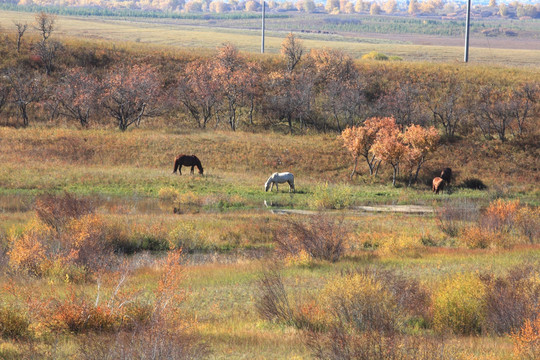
x,y
354,169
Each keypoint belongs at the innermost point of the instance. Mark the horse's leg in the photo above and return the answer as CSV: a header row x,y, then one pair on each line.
x,y
192,169
291,186
272,187
180,169
277,187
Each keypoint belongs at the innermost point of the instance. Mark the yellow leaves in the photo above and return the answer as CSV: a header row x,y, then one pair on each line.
x,y
459,304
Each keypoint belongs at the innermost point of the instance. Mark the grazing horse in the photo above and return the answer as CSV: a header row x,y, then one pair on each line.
x,y
187,160
279,178
438,185
446,175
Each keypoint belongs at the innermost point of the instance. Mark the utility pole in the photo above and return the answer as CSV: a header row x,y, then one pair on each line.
x,y
467,25
262,36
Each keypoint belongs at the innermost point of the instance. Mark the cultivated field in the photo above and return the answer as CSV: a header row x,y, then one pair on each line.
x,y
209,34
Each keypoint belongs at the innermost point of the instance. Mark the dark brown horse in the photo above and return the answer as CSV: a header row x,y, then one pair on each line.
x,y
438,185
187,160
446,175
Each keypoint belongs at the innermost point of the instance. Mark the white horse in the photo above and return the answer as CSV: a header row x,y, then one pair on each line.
x,y
279,178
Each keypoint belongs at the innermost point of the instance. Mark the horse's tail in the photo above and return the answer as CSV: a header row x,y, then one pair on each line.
x,y
176,165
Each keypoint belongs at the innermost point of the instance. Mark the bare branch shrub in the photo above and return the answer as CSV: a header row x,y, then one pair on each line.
x,y
339,344
273,303
511,300
321,237
57,211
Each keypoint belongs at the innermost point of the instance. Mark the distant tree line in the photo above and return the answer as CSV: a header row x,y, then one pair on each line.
x,y
44,80
158,8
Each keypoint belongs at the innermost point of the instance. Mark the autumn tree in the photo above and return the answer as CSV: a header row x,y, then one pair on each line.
x,y
413,7
26,88
199,91
77,93
230,71
421,143
390,6
5,90
389,146
292,50
45,24
290,96
374,9
444,98
331,5
337,80
499,109
130,93
403,102
46,49
253,87
21,29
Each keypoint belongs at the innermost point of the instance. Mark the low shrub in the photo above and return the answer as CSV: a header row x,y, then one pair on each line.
x,y
9,351
374,55
527,340
473,184
57,210
511,300
527,221
338,343
186,237
168,194
477,237
331,197
402,246
459,305
361,302
13,323
321,237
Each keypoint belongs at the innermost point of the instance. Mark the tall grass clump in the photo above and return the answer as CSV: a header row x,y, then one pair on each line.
x,y
320,237
452,217
459,305
14,323
272,299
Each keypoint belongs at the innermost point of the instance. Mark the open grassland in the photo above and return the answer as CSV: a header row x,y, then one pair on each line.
x,y
140,163
132,212
179,35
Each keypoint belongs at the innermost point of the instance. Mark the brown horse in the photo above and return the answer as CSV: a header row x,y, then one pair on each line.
x,y
446,175
187,160
438,185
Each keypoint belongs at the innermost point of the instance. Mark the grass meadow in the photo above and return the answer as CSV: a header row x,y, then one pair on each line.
x,y
51,178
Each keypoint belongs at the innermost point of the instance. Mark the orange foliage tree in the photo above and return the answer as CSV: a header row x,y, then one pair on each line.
x,y
359,141
421,142
389,146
